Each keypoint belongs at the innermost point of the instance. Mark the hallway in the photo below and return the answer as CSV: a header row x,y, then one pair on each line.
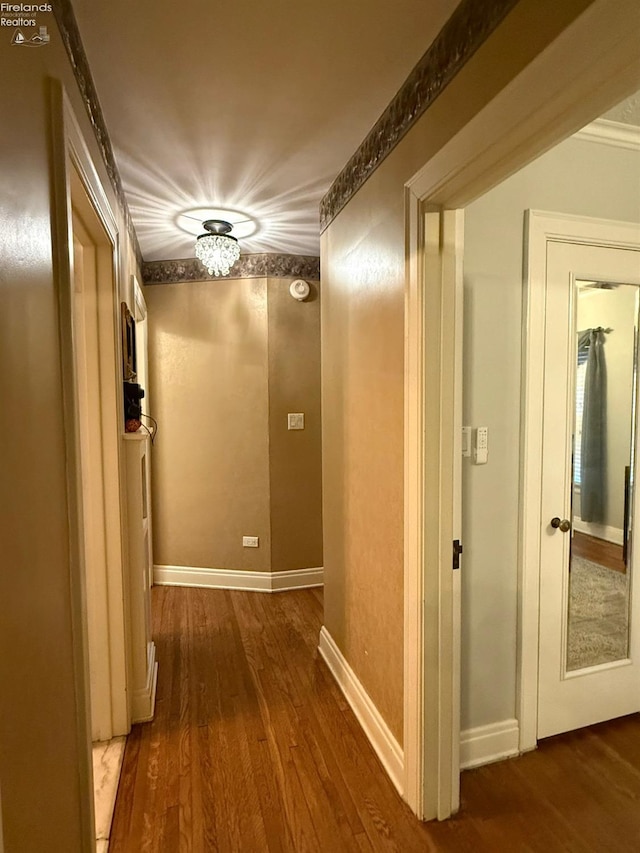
x,y
254,748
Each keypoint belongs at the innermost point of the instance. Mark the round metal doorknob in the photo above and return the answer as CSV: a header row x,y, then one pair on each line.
x,y
564,524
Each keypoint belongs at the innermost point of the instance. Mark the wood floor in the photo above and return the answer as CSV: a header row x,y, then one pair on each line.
x,y
253,748
598,551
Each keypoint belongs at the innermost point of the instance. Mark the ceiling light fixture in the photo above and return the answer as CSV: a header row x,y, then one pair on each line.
x,y
217,250
190,220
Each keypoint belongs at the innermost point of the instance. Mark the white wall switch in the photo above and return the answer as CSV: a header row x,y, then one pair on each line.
x,y
466,441
250,542
481,450
295,420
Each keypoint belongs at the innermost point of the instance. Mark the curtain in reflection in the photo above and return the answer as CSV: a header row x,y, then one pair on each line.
x,y
594,427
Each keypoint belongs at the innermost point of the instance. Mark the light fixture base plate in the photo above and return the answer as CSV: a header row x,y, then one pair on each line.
x,y
217,226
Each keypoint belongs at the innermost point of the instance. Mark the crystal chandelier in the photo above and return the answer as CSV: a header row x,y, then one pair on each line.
x,y
217,250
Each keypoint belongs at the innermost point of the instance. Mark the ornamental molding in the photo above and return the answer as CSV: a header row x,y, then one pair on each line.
x,y
68,26
615,133
467,29
262,265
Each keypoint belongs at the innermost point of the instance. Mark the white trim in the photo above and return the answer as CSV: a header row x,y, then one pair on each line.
x,y
380,737
143,701
451,495
81,179
540,228
414,485
485,744
600,531
615,133
236,579
75,181
298,579
553,97
140,305
432,518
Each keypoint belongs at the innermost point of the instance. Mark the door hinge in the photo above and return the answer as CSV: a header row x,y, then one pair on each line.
x,y
457,550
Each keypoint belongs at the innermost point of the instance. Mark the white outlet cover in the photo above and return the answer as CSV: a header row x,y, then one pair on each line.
x,y
250,542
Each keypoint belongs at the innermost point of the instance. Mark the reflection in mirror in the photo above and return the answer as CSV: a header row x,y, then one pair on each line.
x,y
603,458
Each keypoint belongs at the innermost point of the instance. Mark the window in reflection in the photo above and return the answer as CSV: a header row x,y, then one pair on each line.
x,y
602,493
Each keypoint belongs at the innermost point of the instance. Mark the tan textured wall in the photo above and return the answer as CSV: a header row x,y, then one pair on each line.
x,y
295,456
208,374
39,754
362,369
227,360
363,271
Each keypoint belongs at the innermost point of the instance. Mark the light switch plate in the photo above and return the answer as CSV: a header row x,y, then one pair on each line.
x,y
481,450
295,420
250,542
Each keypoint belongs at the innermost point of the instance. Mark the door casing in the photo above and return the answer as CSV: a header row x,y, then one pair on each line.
x,y
76,185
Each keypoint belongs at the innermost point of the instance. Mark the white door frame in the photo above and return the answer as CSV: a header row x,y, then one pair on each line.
x,y
75,182
540,228
433,349
593,64
141,317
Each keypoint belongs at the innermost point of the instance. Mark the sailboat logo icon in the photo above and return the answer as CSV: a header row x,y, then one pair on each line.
x,y
42,37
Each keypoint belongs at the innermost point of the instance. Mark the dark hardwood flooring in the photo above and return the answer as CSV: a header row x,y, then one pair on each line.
x,y
598,551
253,748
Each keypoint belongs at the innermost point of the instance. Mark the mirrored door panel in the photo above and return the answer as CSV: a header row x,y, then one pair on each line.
x,y
603,461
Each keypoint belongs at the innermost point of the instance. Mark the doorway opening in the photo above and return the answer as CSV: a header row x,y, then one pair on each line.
x,y
522,677
86,253
548,101
92,274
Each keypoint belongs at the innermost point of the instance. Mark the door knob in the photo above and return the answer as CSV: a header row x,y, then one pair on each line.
x,y
564,524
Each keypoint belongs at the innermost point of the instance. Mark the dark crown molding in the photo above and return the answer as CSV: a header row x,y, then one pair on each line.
x,y
467,29
267,265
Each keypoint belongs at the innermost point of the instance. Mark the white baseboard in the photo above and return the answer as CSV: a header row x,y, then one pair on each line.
x,y
143,702
385,745
485,744
600,531
298,579
236,579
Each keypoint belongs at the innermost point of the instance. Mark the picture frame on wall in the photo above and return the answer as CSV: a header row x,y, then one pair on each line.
x,y
129,373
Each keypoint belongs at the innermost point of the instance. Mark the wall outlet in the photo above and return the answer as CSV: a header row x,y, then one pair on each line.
x,y
295,420
250,542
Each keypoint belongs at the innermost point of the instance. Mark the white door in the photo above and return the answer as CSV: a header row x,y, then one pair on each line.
x,y
589,641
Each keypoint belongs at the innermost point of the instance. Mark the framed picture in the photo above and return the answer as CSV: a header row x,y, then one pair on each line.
x,y
128,345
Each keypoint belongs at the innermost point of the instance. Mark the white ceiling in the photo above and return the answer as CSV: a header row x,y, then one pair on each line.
x,y
254,105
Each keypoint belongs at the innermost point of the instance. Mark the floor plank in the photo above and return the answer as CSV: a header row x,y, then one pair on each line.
x,y
598,551
253,748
